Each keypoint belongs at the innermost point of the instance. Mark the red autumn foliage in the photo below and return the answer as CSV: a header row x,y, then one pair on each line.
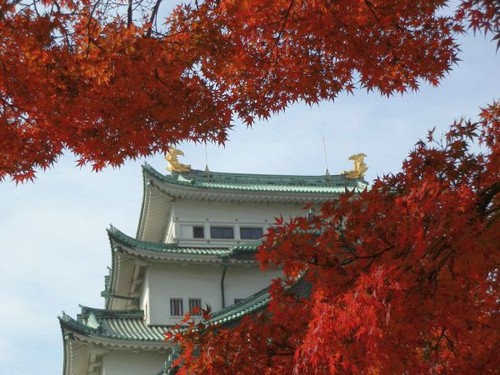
x,y
403,277
101,79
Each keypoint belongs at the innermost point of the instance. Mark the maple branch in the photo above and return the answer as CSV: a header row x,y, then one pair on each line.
x,y
372,8
280,35
36,8
14,108
153,17
285,20
486,197
14,3
282,354
129,13
157,75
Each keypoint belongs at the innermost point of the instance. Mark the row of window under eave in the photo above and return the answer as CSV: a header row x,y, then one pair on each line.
x,y
227,232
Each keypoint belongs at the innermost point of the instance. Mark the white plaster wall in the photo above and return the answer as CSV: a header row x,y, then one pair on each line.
x,y
243,281
170,231
174,280
144,300
191,212
128,363
166,281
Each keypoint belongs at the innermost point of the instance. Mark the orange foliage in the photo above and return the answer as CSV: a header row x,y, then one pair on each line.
x,y
102,80
403,277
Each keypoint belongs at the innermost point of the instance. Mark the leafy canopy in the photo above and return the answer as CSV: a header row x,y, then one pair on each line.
x,y
110,80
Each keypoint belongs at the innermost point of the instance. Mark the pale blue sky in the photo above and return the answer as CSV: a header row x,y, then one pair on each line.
x,y
54,250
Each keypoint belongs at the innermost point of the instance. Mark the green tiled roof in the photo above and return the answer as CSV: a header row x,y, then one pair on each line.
x,y
130,325
324,184
250,304
120,237
247,246
112,324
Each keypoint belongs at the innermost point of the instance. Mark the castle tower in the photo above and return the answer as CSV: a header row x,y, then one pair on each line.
x,y
195,245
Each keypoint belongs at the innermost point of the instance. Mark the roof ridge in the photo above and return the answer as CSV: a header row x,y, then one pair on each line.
x,y
148,168
196,177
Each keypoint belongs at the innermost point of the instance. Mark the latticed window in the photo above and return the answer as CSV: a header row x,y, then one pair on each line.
x,y
195,306
198,232
222,232
251,233
176,308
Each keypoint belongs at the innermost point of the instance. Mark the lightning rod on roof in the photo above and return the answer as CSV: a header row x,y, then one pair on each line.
x,y
207,170
206,157
326,159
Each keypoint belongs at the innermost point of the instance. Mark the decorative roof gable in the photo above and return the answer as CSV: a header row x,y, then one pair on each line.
x,y
112,324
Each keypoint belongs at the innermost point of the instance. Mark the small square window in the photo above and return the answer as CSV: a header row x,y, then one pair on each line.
x,y
195,306
251,233
237,300
176,307
222,232
198,232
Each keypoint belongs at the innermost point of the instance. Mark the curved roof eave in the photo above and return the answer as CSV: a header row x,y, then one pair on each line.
x,y
155,209
120,329
142,215
120,242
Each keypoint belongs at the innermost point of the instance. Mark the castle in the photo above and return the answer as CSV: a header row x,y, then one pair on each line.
x,y
195,245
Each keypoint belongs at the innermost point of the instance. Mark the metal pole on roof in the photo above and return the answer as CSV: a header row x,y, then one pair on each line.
x,y
326,158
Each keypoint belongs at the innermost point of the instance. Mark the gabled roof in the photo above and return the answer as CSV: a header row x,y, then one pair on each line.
x,y
112,324
161,190
95,331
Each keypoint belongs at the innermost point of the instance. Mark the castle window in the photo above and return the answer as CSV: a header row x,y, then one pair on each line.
x,y
222,232
176,308
198,232
195,306
249,233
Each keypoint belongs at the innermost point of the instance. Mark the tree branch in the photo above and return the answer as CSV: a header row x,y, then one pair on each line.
x,y
129,13
152,19
486,196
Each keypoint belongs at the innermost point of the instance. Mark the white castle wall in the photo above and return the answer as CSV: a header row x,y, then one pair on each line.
x,y
186,213
166,281
187,280
241,282
128,363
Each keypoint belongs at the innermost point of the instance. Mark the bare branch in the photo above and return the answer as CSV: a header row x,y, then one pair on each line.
x,y
152,19
129,12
